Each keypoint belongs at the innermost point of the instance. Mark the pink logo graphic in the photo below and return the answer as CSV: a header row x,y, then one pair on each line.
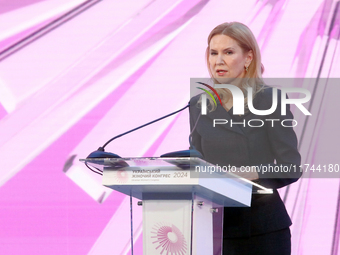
x,y
121,176
169,239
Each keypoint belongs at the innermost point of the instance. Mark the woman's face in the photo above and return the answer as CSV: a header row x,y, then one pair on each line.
x,y
226,59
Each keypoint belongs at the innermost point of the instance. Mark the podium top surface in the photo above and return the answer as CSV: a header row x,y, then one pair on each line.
x,y
174,178
192,164
184,163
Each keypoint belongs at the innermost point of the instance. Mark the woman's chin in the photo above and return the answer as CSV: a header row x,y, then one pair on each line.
x,y
224,80
228,80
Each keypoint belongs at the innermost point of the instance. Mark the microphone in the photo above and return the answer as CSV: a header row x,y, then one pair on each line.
x,y
101,153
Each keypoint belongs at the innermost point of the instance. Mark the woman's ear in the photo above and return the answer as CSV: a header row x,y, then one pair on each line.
x,y
249,57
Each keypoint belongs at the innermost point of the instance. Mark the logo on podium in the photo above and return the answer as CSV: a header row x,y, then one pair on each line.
x,y
121,176
168,239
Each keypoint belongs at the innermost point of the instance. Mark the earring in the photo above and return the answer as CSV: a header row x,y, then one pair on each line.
x,y
246,67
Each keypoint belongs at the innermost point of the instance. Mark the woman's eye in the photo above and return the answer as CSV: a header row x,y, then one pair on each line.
x,y
229,52
213,53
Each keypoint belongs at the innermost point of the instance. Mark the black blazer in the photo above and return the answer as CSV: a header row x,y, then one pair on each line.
x,y
250,146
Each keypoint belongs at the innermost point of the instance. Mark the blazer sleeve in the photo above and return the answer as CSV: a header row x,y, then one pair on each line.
x,y
283,143
195,137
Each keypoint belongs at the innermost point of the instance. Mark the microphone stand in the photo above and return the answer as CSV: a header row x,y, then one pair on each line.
x,y
101,153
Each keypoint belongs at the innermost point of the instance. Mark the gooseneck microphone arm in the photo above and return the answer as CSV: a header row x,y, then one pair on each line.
x,y
132,130
100,153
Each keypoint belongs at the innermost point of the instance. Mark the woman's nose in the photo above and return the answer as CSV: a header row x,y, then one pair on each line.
x,y
219,60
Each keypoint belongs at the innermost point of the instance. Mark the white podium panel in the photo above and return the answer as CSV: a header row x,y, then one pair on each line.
x,y
167,227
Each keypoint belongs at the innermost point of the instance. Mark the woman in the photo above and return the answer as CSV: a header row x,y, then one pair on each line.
x,y
233,57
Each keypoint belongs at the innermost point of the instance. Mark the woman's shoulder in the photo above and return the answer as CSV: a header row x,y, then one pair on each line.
x,y
194,100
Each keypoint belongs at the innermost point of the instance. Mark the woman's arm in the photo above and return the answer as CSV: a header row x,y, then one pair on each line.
x,y
195,137
283,142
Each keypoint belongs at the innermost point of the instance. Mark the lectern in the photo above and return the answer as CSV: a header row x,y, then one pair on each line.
x,y
179,197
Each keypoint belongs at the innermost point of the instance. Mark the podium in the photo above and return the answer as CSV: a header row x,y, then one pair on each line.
x,y
179,197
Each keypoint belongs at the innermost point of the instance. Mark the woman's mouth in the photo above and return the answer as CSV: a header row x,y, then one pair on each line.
x,y
221,72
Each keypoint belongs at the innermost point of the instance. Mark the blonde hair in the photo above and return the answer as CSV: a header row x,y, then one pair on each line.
x,y
247,41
